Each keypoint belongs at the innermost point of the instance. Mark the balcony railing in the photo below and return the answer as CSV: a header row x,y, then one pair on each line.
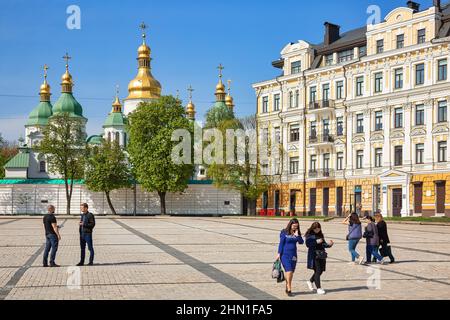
x,y
323,104
324,138
321,173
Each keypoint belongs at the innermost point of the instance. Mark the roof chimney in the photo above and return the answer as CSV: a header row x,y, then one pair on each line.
x,y
331,33
413,5
437,4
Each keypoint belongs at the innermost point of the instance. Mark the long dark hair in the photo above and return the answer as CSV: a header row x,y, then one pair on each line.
x,y
354,219
289,227
310,231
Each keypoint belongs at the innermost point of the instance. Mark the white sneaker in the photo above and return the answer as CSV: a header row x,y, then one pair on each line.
x,y
361,260
310,286
352,263
383,261
321,291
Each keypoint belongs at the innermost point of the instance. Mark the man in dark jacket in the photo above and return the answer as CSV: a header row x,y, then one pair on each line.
x,y
384,237
87,224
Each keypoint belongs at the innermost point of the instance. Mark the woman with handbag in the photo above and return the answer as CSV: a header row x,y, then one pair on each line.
x,y
353,237
317,256
287,251
372,241
384,237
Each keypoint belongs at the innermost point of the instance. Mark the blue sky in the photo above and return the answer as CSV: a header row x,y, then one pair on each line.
x,y
188,39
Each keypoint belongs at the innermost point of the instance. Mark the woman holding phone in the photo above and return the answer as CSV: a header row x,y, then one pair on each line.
x,y
316,243
287,251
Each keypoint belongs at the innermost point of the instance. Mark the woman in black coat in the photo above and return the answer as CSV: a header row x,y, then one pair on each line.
x,y
384,237
315,241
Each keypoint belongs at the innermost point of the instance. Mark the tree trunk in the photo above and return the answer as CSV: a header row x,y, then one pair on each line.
x,y
162,198
68,198
108,198
251,207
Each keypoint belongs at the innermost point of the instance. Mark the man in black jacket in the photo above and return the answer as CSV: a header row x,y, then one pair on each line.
x,y
384,237
87,224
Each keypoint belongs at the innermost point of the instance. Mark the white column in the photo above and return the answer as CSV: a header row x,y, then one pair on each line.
x,y
407,146
350,155
387,136
367,149
384,191
429,147
405,200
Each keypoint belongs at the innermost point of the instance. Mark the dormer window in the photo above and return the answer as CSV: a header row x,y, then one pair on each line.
x,y
346,55
296,67
329,60
363,51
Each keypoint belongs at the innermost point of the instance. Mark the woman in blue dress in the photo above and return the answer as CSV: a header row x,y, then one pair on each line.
x,y
287,251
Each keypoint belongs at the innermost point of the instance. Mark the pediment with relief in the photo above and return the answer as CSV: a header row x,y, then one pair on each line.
x,y
377,137
397,135
440,128
418,132
358,139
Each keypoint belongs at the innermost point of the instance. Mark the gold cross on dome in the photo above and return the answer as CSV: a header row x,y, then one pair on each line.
x,y
220,67
229,86
117,90
190,89
143,27
67,58
45,71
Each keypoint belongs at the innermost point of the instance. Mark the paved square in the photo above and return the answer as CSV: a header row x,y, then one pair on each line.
x,y
211,258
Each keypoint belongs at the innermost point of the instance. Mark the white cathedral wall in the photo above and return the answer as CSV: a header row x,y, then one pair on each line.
x,y
196,200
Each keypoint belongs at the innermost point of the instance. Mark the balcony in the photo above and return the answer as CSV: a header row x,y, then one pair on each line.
x,y
321,105
321,174
321,139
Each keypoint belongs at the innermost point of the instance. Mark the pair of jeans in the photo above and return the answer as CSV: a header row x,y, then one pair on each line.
x,y
317,273
352,243
372,251
51,242
86,238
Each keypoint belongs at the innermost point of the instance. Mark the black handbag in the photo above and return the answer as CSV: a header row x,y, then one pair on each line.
x,y
321,255
368,234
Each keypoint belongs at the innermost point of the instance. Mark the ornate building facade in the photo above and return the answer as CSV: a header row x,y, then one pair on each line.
x,y
362,119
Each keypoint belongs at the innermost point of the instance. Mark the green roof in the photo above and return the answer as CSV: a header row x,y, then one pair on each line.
x,y
39,116
68,104
96,140
21,160
115,119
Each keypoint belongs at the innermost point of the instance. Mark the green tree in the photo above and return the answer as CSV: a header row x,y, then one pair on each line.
x,y
151,127
218,114
107,170
7,151
64,146
244,176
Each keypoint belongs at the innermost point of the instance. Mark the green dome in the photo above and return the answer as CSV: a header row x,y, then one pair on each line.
x,y
218,113
95,140
115,119
39,116
68,104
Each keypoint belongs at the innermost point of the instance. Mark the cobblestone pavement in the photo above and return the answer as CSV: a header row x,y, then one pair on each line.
x,y
211,258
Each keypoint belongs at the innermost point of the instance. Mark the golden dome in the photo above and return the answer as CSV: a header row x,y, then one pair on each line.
x,y
229,101
190,110
144,85
44,90
220,88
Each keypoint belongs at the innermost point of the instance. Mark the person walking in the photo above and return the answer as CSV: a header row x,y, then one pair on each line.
x,y
353,237
287,251
52,237
87,225
372,241
316,243
386,250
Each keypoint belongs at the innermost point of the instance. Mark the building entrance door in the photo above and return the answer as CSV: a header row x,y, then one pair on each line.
x,y
397,199
339,201
312,202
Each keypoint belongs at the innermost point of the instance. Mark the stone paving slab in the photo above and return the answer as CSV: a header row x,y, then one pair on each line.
x,y
212,258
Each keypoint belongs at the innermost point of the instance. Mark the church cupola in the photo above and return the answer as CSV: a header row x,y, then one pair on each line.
x,y
190,108
229,99
144,85
220,88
